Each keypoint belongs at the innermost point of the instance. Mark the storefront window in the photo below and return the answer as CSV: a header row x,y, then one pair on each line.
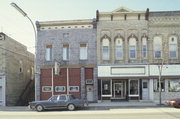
x,y
156,85
174,85
106,87
134,87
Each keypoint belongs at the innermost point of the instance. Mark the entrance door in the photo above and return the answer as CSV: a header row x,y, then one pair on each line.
x,y
145,89
118,90
89,92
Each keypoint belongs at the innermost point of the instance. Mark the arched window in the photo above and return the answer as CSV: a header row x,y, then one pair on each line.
x,y
105,49
119,48
132,48
173,47
144,47
157,43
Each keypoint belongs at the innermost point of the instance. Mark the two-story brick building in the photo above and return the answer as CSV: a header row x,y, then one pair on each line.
x,y
71,44
122,55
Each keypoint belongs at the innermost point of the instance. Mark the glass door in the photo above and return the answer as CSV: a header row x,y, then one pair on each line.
x,y
118,90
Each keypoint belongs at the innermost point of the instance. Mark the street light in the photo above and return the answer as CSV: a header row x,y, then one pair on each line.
x,y
35,35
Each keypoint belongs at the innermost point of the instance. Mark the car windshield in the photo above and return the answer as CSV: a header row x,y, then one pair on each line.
x,y
53,98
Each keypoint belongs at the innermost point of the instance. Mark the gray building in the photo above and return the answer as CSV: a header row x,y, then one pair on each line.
x,y
16,72
138,54
71,44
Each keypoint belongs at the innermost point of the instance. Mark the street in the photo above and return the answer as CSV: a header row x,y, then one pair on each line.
x,y
118,113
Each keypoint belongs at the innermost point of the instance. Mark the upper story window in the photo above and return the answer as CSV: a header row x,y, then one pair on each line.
x,y
119,48
132,48
105,49
65,51
157,43
83,52
144,47
21,66
173,47
48,52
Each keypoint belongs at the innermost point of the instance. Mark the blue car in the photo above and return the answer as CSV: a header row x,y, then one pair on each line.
x,y
58,102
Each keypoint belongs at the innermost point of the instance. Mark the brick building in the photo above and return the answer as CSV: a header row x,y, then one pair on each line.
x,y
72,44
125,55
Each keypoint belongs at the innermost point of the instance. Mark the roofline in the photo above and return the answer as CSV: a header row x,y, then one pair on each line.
x,y
64,22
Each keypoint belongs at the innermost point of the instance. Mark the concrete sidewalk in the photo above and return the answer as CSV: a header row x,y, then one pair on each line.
x,y
95,106
124,104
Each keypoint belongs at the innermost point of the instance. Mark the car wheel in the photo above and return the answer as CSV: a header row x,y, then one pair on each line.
x,y
39,108
71,107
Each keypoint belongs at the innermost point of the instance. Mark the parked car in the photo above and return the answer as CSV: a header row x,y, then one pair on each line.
x,y
59,102
173,102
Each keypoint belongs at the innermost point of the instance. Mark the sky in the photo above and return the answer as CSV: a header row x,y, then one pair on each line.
x,y
18,27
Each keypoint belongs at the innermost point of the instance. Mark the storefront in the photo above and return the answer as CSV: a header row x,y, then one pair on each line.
x,y
132,82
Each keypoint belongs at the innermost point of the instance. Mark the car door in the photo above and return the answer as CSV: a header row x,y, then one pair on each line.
x,y
62,101
52,102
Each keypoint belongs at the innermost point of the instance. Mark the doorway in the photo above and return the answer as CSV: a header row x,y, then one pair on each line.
x,y
145,89
118,90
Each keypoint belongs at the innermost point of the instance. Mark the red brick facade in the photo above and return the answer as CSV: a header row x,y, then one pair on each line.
x,y
60,80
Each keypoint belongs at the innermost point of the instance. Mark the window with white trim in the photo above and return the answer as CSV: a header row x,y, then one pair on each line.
x,y
46,88
83,51
173,47
65,51
132,48
144,47
119,49
157,42
105,49
60,89
49,53
73,88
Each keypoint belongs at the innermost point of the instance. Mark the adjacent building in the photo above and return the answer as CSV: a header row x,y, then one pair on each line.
x,y
16,72
120,55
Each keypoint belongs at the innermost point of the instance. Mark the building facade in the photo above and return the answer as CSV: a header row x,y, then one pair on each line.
x,y
16,70
71,44
131,55
134,50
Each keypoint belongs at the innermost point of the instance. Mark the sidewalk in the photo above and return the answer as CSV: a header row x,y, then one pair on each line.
x,y
95,106
124,104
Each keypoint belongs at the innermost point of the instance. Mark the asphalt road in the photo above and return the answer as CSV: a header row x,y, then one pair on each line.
x,y
121,113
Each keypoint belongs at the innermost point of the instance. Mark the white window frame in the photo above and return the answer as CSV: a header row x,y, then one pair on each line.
x,y
63,89
132,44
43,87
73,88
144,45
105,46
66,53
83,51
157,47
176,47
49,54
119,49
